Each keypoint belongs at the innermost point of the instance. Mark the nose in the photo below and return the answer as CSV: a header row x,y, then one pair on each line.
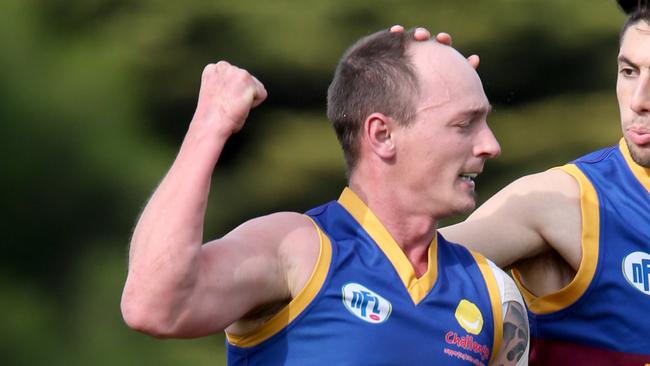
x,y
641,99
487,145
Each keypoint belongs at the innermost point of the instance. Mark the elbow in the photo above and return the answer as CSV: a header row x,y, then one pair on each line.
x,y
147,320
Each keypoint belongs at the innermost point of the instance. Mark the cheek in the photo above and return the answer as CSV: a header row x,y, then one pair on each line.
x,y
620,92
623,101
625,91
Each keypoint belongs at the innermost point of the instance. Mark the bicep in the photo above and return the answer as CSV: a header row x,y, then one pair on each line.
x,y
243,271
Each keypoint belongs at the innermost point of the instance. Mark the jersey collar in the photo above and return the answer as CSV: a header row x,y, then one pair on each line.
x,y
641,173
416,287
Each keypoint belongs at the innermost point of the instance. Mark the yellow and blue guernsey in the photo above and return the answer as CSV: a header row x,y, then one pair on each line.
x,y
600,318
363,304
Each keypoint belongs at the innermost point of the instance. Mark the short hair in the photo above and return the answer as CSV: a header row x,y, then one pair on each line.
x,y
636,11
374,75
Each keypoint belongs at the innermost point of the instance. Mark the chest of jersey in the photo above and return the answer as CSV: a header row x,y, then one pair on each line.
x,y
365,313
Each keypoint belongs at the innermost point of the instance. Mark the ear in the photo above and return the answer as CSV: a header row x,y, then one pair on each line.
x,y
378,132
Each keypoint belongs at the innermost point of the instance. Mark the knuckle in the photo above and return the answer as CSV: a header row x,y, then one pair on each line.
x,y
208,69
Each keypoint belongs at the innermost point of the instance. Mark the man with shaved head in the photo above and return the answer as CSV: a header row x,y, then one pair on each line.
x,y
365,279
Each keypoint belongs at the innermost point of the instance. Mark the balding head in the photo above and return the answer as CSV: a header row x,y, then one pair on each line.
x,y
385,73
444,77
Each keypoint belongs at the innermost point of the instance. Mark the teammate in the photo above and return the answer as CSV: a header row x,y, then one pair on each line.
x,y
365,280
578,236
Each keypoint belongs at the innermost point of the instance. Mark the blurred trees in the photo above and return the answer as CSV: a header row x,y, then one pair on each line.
x,y
96,96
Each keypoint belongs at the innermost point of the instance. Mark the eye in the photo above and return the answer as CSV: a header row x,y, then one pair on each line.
x,y
627,71
463,125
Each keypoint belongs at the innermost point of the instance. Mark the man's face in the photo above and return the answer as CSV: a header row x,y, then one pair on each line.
x,y
447,144
633,91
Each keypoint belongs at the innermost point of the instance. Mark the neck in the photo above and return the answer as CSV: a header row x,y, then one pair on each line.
x,y
412,230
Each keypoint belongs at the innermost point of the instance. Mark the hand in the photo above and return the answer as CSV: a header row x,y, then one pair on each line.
x,y
423,34
227,95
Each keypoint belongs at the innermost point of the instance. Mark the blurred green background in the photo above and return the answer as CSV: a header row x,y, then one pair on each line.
x,y
96,96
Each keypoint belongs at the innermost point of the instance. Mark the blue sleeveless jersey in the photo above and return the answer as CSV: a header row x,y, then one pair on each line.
x,y
363,304
601,317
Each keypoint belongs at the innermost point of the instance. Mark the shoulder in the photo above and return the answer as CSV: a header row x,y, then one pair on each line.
x,y
293,232
278,252
279,223
507,288
278,231
289,240
299,246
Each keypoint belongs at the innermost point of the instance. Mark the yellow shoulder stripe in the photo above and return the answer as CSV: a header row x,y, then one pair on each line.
x,y
495,300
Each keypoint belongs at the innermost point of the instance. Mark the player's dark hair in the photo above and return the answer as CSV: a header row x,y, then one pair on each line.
x,y
636,11
374,75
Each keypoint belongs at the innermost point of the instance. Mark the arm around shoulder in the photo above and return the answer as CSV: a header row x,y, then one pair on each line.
x,y
524,219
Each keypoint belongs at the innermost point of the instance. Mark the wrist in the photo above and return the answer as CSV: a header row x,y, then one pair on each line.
x,y
204,141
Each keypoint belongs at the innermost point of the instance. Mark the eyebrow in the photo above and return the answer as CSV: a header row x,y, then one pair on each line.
x,y
478,111
624,60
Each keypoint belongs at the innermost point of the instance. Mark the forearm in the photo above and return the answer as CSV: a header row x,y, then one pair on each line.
x,y
167,240
175,212
163,288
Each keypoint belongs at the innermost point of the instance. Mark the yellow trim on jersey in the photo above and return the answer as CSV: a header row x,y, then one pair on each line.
x,y
416,287
283,318
590,238
495,300
641,173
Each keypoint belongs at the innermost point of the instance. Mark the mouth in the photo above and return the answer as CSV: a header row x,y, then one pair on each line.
x,y
639,135
468,177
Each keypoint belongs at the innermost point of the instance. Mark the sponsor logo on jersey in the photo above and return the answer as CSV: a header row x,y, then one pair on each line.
x,y
468,343
636,269
366,304
469,317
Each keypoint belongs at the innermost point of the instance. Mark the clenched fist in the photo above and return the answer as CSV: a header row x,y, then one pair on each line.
x,y
227,95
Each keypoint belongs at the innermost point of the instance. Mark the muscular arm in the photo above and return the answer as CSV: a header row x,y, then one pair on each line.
x,y
178,287
530,216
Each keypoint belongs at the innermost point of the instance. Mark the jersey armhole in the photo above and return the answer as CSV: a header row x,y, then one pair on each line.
x,y
297,305
590,232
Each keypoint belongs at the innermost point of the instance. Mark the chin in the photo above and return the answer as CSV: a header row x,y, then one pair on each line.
x,y
464,208
640,154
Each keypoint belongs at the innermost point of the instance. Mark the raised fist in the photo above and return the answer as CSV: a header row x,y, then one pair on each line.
x,y
227,95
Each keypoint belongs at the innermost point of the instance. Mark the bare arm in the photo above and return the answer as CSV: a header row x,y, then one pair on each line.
x,y
178,287
516,334
516,337
532,215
